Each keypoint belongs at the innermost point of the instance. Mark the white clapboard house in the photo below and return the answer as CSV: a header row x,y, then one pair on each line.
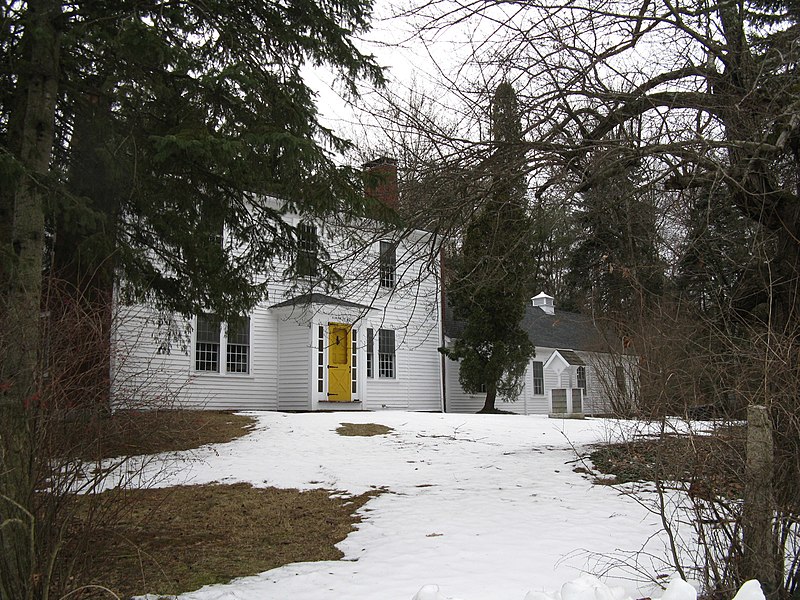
x,y
371,344
579,367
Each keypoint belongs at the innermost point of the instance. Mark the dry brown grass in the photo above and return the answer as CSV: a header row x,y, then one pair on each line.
x,y
178,539
363,429
711,464
130,433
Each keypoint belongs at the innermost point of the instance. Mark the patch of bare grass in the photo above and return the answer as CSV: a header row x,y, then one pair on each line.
x,y
130,433
177,539
363,429
710,463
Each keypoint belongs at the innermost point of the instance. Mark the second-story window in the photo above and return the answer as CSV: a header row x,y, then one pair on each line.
x,y
307,245
388,265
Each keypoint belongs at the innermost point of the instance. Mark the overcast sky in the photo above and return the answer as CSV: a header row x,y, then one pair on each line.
x,y
409,63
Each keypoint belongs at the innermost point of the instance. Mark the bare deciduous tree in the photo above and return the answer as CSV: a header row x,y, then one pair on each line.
x,y
709,89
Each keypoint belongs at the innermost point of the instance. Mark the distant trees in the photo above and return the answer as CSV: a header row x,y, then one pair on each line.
x,y
489,286
720,256
707,91
615,266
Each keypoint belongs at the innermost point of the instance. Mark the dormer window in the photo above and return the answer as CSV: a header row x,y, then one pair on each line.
x,y
388,265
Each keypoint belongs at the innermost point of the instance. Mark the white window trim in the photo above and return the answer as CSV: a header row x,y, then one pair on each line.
x,y
369,353
223,352
378,354
533,380
381,279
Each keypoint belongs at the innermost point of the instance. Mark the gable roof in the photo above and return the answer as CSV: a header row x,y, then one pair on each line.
x,y
571,357
316,298
560,330
560,359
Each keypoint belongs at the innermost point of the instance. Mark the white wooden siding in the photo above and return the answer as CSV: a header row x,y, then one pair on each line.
x,y
294,365
539,404
137,341
141,377
283,367
415,320
595,400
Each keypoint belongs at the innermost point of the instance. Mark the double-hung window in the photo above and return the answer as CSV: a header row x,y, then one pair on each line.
x,y
307,246
581,376
211,336
238,350
386,353
207,342
538,378
370,352
388,265
619,374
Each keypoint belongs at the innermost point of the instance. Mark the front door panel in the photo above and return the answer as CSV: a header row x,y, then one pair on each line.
x,y
339,362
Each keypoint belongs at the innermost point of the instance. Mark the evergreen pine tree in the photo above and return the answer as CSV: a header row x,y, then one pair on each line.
x,y
179,120
615,265
490,287
131,134
717,261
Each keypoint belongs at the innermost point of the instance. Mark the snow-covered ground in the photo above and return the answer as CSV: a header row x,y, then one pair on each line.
x,y
486,507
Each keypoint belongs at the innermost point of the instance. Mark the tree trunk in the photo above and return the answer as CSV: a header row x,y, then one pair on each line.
x,y
21,574
38,83
757,518
491,396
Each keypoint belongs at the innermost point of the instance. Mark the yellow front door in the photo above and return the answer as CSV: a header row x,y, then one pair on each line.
x,y
339,353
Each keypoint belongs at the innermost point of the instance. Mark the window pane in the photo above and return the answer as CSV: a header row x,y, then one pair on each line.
x,y
577,400
385,365
239,331
320,359
206,352
386,353
581,375
354,363
307,245
386,341
207,357
207,328
370,350
238,356
538,378
559,401
388,264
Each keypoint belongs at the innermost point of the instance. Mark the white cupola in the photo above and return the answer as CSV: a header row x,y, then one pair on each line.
x,y
544,302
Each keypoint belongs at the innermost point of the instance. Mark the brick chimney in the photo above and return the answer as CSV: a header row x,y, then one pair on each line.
x,y
381,181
